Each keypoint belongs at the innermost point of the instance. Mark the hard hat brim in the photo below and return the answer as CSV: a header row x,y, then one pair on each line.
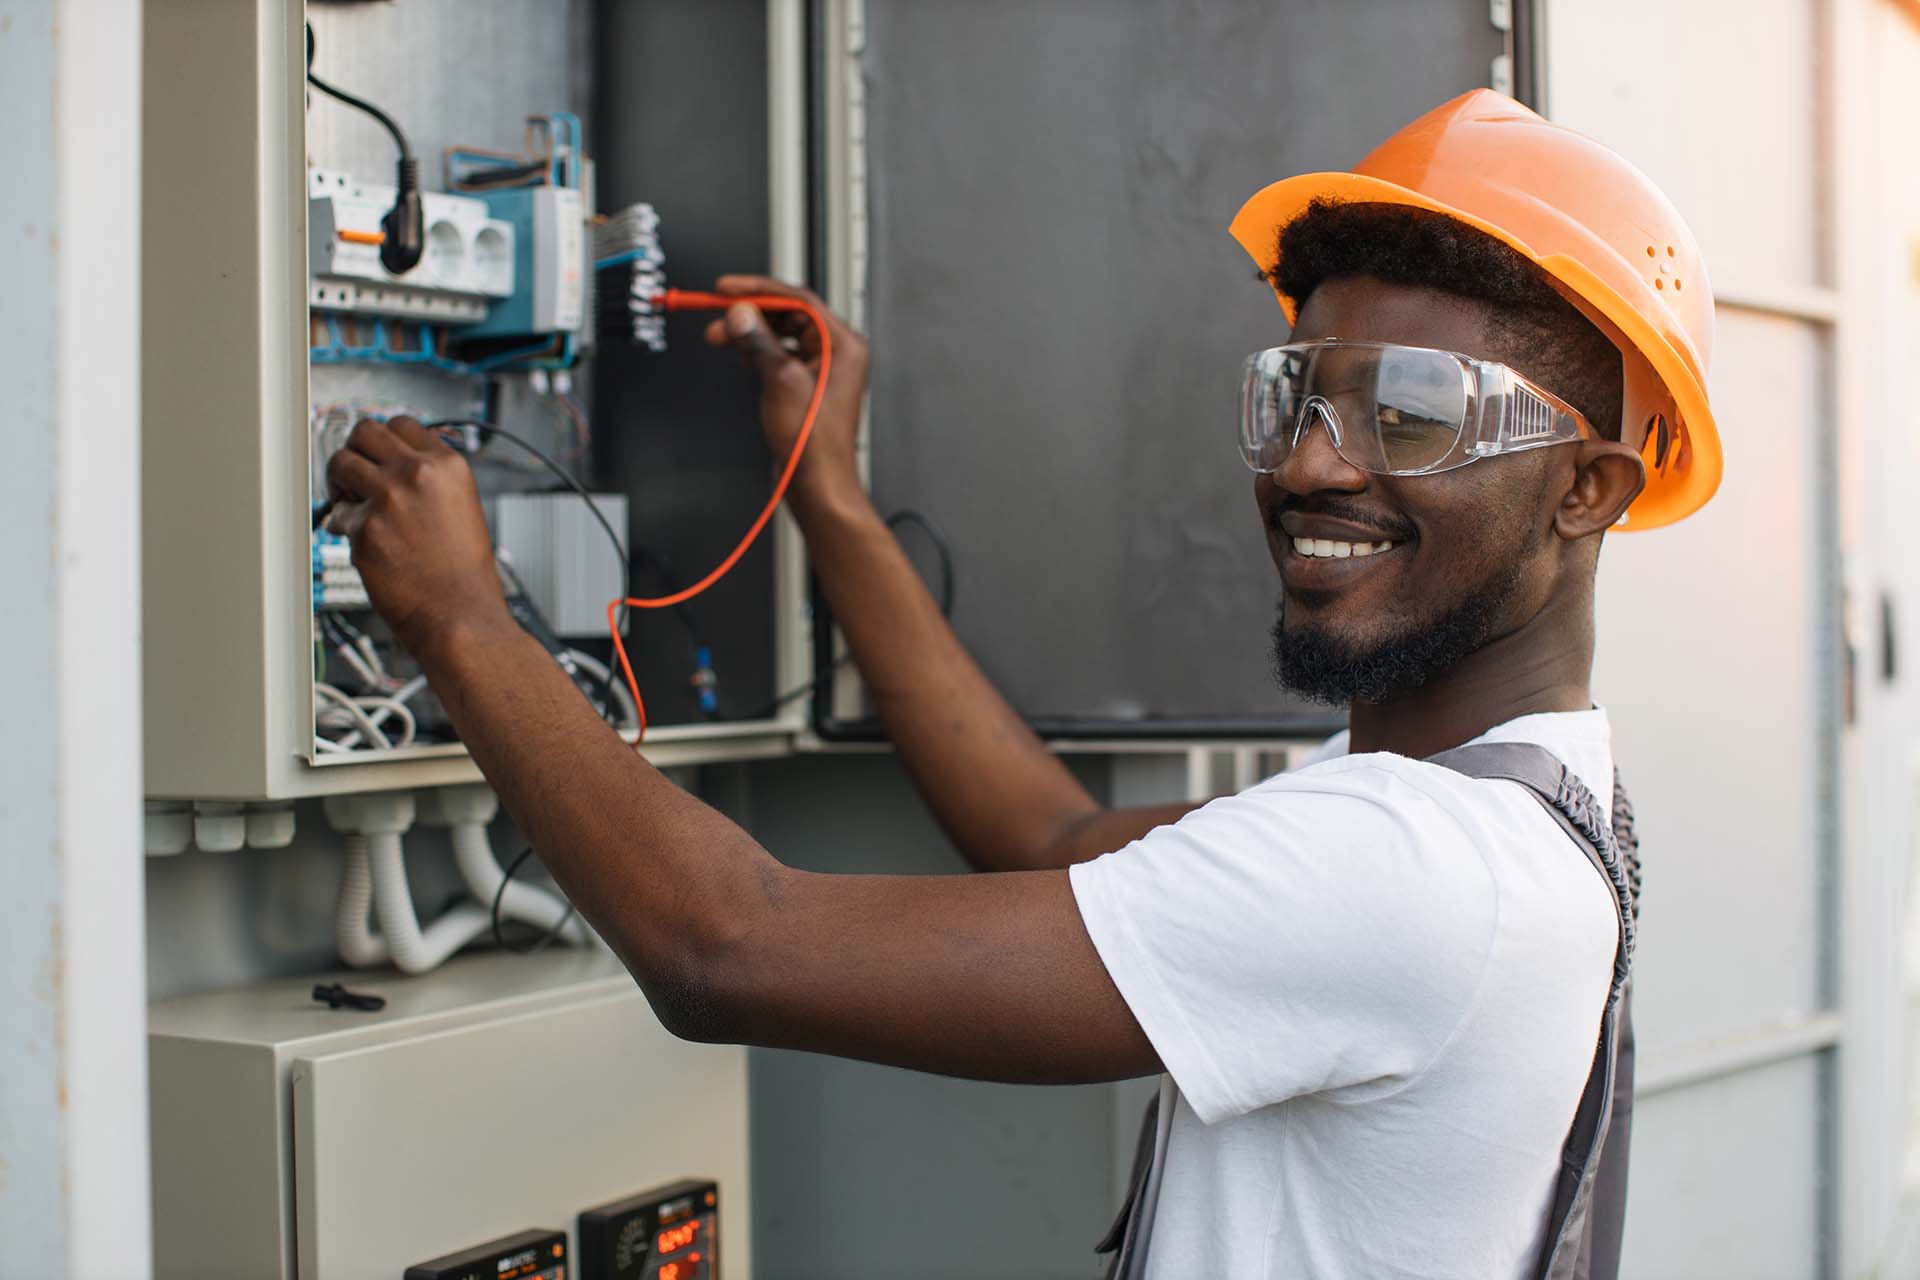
x,y
1672,492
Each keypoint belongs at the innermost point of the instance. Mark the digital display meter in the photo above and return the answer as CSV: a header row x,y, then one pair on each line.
x,y
528,1255
668,1233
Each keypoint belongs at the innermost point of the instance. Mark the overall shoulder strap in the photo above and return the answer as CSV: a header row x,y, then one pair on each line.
x,y
1588,1212
1568,801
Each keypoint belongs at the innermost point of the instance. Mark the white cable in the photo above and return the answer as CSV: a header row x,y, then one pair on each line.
x,y
363,644
408,726
359,946
361,667
520,901
414,950
367,726
598,671
404,694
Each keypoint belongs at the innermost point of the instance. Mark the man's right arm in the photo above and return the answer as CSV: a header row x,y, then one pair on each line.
x,y
1006,801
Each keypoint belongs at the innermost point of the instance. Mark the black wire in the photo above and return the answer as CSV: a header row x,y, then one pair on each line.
x,y
609,705
940,548
566,477
499,934
839,664
359,104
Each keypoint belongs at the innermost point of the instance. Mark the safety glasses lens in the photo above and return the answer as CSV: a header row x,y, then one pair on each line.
x,y
1388,410
1419,404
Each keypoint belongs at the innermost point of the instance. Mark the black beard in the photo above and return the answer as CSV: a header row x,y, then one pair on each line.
x,y
1320,666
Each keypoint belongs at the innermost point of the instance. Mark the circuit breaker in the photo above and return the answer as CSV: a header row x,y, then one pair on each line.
x,y
275,319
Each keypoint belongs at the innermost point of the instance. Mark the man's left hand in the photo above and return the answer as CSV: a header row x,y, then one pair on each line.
x,y
419,538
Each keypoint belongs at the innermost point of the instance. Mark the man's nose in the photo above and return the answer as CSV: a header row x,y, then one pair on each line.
x,y
1314,464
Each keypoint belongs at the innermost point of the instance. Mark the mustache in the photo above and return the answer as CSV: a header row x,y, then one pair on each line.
x,y
1338,508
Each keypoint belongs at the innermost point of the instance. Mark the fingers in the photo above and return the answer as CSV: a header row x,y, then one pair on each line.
x,y
354,477
376,440
413,435
738,284
747,329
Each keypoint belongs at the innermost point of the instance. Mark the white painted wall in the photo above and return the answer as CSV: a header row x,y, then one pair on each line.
x,y
1780,835
1717,648
73,1119
1884,484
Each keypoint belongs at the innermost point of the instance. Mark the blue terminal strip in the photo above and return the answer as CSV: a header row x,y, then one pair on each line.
x,y
336,583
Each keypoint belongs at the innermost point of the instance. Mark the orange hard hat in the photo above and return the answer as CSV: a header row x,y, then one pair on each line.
x,y
1602,232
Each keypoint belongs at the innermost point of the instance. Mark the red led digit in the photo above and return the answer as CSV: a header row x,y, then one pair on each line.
x,y
677,1237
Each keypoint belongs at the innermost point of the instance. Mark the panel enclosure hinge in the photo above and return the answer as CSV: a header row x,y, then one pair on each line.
x,y
1500,14
1500,75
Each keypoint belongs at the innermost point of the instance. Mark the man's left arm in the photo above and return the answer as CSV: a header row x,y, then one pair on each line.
x,y
989,975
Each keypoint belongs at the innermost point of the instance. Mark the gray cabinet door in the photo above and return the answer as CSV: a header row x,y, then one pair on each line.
x,y
1058,315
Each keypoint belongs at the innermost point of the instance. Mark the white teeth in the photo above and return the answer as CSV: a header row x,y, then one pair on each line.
x,y
1328,549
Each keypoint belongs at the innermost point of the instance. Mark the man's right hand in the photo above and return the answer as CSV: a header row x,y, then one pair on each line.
x,y
784,348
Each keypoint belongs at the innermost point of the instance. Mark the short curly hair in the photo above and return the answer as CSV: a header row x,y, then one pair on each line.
x,y
1563,350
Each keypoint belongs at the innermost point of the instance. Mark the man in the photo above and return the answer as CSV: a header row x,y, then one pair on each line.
x,y
1374,982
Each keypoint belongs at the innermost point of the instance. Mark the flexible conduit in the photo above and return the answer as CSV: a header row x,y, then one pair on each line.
x,y
359,946
524,902
414,950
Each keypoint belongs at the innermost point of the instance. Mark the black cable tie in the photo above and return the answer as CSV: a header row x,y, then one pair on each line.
x,y
335,996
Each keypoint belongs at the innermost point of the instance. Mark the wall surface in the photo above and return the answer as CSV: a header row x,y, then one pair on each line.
x,y
1719,647
73,1161
1888,482
872,1173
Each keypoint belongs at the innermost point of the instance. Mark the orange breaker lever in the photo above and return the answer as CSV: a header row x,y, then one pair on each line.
x,y
692,300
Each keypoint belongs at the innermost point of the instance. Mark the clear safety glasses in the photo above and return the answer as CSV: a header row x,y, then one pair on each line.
x,y
1393,410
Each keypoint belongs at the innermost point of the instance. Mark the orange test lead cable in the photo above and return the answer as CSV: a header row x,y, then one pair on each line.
x,y
689,300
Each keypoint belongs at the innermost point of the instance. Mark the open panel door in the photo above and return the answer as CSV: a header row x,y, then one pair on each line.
x,y
1058,315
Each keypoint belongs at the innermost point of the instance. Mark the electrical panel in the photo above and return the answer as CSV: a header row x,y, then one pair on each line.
x,y
359,212
498,1097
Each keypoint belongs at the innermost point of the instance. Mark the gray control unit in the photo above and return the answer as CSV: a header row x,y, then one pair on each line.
x,y
291,1140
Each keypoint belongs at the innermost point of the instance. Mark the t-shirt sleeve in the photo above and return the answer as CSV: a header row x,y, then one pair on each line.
x,y
1322,932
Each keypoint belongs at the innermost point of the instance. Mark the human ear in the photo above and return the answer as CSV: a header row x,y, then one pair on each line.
x,y
1607,476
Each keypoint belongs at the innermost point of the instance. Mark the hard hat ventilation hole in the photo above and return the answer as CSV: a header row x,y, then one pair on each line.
x,y
1658,283
1649,251
1676,286
1661,438
1669,251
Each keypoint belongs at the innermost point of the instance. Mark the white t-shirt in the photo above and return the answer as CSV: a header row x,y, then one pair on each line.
x,y
1376,985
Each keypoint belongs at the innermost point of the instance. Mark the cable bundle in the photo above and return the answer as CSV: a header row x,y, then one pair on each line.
x,y
631,272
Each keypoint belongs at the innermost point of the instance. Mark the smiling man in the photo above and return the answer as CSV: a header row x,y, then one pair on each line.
x,y
1384,987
